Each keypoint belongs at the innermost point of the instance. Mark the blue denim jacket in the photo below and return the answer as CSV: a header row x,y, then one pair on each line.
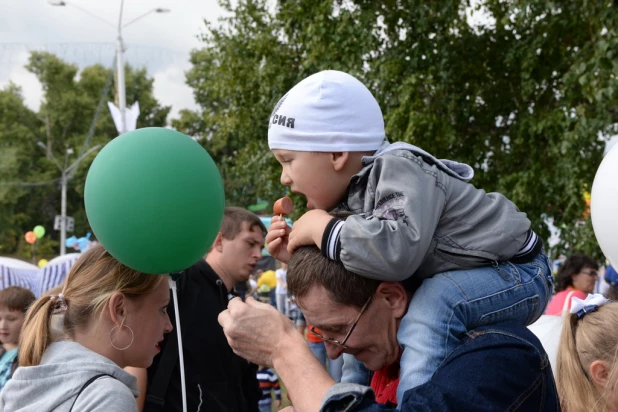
x,y
494,369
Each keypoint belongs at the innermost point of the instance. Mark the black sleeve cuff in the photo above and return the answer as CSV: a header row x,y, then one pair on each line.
x,y
331,243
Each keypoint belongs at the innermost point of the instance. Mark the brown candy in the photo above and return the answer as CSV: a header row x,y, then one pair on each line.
x,y
283,206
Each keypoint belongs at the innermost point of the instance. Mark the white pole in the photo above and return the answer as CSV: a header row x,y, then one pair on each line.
x,y
63,214
181,358
122,99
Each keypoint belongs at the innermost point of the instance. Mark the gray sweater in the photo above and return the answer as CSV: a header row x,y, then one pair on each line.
x,y
64,369
416,215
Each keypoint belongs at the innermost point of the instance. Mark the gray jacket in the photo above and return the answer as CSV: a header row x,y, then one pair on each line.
x,y
65,368
415,214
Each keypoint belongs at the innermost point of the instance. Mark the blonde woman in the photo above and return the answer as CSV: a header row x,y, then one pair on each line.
x,y
587,357
114,317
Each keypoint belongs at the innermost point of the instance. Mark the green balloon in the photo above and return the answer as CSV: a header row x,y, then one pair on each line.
x,y
154,199
39,231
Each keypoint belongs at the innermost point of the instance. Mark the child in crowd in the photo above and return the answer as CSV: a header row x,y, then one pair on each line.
x,y
268,278
587,364
413,215
14,302
269,383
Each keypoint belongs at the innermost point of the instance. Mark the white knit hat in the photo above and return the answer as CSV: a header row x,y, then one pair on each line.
x,y
329,111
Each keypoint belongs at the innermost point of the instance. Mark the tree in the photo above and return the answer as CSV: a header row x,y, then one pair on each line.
x,y
29,181
523,98
247,64
527,95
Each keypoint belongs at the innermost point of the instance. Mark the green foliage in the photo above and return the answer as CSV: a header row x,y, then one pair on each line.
x,y
247,64
527,95
63,121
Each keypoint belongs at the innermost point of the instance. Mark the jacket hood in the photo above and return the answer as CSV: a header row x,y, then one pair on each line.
x,y
455,169
64,369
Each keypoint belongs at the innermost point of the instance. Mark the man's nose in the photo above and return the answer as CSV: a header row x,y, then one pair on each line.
x,y
257,251
333,351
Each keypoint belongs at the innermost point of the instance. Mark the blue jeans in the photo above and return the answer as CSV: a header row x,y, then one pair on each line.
x,y
335,366
319,351
354,371
267,407
449,304
273,298
493,369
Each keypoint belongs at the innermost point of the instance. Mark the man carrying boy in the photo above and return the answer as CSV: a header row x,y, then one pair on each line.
x,y
496,368
413,214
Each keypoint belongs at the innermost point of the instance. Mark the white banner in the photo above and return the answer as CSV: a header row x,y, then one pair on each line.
x,y
131,114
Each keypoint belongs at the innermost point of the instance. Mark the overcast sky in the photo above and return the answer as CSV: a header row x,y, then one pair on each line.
x,y
160,42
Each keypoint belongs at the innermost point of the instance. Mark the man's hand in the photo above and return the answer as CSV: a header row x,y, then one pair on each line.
x,y
308,230
255,330
277,403
259,333
277,239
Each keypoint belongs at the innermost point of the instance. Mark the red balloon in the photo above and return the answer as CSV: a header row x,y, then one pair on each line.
x,y
30,237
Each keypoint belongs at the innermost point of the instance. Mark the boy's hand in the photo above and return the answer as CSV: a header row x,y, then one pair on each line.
x,y
308,230
277,239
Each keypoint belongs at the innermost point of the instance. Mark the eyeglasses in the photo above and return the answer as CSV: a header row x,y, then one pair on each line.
x,y
594,273
347,336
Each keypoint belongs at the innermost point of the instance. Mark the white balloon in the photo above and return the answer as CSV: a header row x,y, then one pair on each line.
x,y
604,205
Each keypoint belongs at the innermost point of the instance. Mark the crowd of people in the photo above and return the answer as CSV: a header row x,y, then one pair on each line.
x,y
403,287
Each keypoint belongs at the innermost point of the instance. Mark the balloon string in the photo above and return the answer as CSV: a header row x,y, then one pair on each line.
x,y
172,284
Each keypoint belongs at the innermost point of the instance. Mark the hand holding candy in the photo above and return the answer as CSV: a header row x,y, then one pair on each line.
x,y
277,237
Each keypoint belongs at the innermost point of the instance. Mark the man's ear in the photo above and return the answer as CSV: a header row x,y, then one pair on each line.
x,y
117,308
396,296
218,244
599,373
339,160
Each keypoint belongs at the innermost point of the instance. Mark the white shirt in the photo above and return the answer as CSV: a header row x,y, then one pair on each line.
x,y
281,277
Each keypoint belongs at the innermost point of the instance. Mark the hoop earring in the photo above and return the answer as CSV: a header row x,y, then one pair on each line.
x,y
112,343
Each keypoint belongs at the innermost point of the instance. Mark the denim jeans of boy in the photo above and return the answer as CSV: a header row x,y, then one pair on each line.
x,y
493,369
448,305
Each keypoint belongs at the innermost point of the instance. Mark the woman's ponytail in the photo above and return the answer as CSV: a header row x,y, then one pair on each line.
x,y
585,339
36,335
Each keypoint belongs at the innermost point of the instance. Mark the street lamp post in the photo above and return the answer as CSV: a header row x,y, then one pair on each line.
x,y
64,180
122,99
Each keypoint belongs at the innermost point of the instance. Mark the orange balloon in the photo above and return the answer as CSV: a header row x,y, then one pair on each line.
x,y
30,237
